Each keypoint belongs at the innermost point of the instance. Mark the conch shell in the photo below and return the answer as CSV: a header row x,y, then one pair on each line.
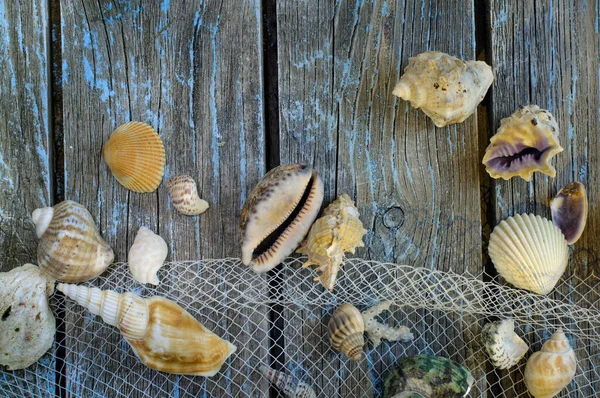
x,y
502,344
278,213
339,230
549,370
525,143
529,252
570,211
163,335
70,248
377,331
184,195
446,88
27,325
290,386
346,328
146,256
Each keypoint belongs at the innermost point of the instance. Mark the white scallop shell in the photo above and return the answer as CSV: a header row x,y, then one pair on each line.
x,y
146,256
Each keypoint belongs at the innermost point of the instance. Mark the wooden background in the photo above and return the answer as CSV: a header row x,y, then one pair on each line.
x,y
236,87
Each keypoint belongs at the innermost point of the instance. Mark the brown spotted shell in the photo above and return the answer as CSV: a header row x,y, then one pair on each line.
x,y
346,328
184,195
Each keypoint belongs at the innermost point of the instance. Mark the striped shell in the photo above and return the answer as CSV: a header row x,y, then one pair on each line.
x,y
502,344
570,211
290,386
346,328
184,196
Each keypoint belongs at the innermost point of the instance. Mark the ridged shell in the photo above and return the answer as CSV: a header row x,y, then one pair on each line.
x,y
377,331
278,213
146,256
70,249
346,328
525,143
428,376
290,386
549,370
502,344
163,335
337,231
446,88
184,195
27,325
529,252
570,211
136,156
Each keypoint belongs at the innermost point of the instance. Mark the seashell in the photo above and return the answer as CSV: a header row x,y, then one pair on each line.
x,y
502,344
184,195
570,211
162,335
525,143
290,386
529,252
346,328
27,326
339,230
549,370
446,88
278,213
428,376
70,248
377,331
136,156
146,256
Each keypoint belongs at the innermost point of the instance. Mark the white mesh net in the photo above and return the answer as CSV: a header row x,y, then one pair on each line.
x,y
281,321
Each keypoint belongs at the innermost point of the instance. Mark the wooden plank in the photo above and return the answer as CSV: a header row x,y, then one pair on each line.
x,y
192,70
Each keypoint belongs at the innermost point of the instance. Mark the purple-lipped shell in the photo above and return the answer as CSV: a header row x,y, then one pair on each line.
x,y
570,210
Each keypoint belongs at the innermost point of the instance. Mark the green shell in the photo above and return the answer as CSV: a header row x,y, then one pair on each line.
x,y
428,376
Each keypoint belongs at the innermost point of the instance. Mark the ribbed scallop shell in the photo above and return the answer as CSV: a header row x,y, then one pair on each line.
x,y
529,252
549,370
346,328
184,195
136,156
290,386
146,256
570,211
70,249
502,344
337,231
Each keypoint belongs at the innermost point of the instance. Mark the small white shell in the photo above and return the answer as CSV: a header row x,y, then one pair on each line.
x,y
502,344
184,195
146,256
290,386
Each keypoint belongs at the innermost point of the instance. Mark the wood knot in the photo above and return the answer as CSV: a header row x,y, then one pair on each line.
x,y
393,217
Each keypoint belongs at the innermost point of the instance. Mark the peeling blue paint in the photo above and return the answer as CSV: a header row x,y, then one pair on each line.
x,y
213,108
242,138
65,72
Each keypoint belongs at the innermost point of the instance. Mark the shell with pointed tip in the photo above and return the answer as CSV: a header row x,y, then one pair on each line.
x,y
377,331
525,143
549,370
290,386
428,376
146,256
278,213
502,344
337,231
184,195
529,252
446,88
346,328
162,335
27,325
136,156
570,210
70,249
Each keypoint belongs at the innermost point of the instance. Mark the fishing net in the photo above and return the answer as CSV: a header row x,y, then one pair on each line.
x,y
280,320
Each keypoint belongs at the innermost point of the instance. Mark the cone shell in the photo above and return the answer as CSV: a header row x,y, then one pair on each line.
x,y
529,252
502,344
446,88
184,195
525,143
290,386
346,328
570,211
550,370
163,335
146,256
70,249
136,156
338,231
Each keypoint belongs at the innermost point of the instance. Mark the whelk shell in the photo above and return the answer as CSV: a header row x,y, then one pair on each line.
x,y
146,256
290,386
502,344
570,211
162,335
278,213
184,195
346,328
377,331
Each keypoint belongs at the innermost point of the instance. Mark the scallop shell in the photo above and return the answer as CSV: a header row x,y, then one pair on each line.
x,y
570,211
162,335
70,248
184,195
146,256
278,213
136,156
525,143
290,386
346,328
339,230
549,370
502,344
446,88
27,325
529,252
377,331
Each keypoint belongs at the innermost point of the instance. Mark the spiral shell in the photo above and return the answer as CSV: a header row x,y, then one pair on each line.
x,y
502,344
162,335
570,211
146,256
290,386
70,248
184,195
346,328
